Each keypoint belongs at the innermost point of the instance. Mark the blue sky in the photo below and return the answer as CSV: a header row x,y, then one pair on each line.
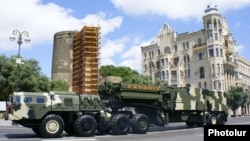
x,y
126,25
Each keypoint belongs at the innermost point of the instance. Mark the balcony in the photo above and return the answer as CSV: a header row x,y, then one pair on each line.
x,y
230,63
229,50
199,47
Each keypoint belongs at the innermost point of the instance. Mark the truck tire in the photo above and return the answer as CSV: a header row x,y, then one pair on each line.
x,y
140,124
36,130
221,119
212,119
120,124
85,126
69,129
51,126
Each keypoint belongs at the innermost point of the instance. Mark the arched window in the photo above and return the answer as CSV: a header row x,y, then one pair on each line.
x,y
202,72
199,42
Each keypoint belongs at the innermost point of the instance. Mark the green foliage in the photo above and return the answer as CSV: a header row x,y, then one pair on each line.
x,y
30,78
59,85
235,97
128,75
125,72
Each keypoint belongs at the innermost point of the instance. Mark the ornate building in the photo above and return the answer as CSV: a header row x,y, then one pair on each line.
x,y
205,58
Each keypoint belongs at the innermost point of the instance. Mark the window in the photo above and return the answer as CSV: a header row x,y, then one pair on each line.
x,y
217,52
205,85
159,52
211,52
68,102
202,74
183,44
17,99
40,100
189,73
187,45
188,58
162,62
199,42
216,36
175,48
167,50
221,53
176,61
163,75
145,55
174,75
199,84
200,56
27,99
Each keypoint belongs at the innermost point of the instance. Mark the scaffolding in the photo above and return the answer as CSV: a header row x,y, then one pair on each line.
x,y
86,61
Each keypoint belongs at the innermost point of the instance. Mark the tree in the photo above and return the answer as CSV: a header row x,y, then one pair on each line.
x,y
128,75
235,98
30,77
59,85
125,72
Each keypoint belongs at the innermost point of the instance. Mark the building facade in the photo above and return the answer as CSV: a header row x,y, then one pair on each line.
x,y
205,58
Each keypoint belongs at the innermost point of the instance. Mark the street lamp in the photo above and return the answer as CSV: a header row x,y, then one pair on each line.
x,y
19,42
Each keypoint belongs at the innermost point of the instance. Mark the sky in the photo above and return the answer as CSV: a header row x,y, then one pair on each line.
x,y
126,25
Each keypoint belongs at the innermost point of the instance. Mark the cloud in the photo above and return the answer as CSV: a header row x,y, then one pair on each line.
x,y
240,48
132,58
111,48
177,9
42,21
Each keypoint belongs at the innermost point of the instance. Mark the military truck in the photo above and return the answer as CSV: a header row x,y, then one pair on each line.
x,y
49,114
116,109
146,105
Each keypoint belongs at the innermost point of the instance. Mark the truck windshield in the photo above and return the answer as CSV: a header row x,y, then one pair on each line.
x,y
14,99
11,98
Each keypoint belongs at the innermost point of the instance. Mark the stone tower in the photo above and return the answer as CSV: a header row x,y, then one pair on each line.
x,y
62,57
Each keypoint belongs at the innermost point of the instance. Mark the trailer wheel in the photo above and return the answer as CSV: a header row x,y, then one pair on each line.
x,y
212,119
140,124
51,126
85,126
69,129
221,119
120,124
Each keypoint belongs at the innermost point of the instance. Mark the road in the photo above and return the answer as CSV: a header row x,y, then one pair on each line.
x,y
172,132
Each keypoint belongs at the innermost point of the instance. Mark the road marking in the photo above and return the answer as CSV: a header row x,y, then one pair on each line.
x,y
71,139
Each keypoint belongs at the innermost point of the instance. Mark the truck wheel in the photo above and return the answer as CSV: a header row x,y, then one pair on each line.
x,y
190,124
69,129
36,131
120,124
212,119
85,126
140,124
51,126
221,119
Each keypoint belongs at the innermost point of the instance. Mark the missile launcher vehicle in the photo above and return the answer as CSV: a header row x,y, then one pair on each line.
x,y
147,105
118,108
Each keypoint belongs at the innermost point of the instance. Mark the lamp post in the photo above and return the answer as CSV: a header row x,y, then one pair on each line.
x,y
20,39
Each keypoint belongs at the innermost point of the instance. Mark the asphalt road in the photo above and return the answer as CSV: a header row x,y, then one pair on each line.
x,y
172,132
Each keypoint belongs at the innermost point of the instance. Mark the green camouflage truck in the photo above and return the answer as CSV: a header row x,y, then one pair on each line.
x,y
49,114
116,109
145,105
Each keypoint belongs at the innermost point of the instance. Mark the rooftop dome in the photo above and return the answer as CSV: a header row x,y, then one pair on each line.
x,y
211,9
